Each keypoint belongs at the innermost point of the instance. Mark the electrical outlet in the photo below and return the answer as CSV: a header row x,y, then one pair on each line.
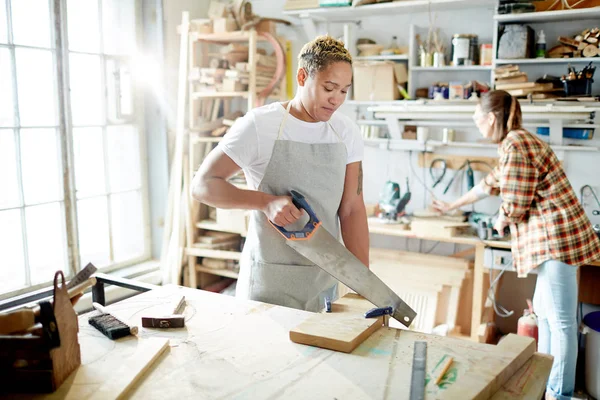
x,y
499,260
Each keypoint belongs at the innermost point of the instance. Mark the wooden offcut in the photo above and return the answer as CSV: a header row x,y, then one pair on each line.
x,y
343,329
482,380
147,352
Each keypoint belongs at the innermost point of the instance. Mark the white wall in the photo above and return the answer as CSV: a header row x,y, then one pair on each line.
x,y
172,10
381,165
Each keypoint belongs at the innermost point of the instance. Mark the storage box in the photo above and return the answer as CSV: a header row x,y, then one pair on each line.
x,y
571,133
375,81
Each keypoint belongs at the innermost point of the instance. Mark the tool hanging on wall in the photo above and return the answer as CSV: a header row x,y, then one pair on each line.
x,y
468,171
437,179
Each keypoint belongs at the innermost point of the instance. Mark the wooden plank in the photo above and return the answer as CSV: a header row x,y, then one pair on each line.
x,y
454,162
224,254
481,381
529,382
524,85
436,227
343,329
147,352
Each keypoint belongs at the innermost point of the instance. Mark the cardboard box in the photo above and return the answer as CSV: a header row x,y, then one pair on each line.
x,y
375,81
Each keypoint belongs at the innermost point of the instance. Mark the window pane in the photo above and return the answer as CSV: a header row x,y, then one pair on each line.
x,y
40,166
83,25
86,89
12,273
127,225
7,109
3,22
119,89
9,194
89,161
92,220
123,156
45,242
118,20
31,22
35,84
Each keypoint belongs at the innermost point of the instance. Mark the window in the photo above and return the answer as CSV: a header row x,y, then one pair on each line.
x,y
76,193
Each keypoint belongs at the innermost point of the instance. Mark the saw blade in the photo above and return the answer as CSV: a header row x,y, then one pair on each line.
x,y
328,253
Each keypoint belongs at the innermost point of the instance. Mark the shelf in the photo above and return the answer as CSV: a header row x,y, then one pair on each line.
x,y
211,225
397,57
216,95
374,103
398,144
216,271
227,37
454,69
391,8
205,139
550,16
371,122
549,60
432,145
220,254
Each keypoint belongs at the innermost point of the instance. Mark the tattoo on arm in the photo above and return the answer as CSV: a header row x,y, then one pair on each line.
x,y
360,178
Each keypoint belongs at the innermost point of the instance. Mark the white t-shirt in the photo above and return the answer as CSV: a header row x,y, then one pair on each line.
x,y
249,142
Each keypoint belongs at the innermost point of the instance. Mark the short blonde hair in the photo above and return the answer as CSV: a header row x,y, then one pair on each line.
x,y
317,54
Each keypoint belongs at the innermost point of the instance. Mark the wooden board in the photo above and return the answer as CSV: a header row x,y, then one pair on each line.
x,y
148,351
436,227
343,329
481,381
529,381
524,85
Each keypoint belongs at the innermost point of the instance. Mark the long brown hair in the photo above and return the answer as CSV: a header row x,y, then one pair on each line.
x,y
507,110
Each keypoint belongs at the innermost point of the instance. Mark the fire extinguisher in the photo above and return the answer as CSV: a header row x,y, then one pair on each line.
x,y
527,325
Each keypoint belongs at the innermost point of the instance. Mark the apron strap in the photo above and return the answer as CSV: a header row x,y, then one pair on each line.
x,y
287,111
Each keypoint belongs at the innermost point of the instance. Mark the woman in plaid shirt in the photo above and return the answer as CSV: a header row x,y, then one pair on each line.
x,y
549,229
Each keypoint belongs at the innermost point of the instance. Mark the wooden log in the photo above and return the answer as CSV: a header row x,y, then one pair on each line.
x,y
590,51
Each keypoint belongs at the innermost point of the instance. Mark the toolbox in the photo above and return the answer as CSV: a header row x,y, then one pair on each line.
x,y
39,361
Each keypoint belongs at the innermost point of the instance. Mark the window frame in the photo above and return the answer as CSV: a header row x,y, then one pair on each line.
x,y
59,48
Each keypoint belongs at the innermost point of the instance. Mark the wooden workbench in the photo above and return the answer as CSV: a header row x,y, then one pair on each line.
x,y
232,348
478,269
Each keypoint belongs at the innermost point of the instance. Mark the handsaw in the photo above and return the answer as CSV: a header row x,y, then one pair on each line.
x,y
319,246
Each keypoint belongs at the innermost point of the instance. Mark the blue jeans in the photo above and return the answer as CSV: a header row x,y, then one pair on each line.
x,y
555,303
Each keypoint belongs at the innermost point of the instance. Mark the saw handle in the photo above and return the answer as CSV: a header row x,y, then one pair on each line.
x,y
300,201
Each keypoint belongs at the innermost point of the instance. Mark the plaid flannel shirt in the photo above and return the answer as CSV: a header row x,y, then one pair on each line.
x,y
545,217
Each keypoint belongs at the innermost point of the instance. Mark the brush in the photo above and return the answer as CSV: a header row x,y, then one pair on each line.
x,y
112,327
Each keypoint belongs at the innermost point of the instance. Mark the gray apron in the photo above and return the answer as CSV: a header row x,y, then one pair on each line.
x,y
270,271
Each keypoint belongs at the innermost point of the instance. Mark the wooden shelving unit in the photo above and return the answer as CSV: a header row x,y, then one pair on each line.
x,y
211,105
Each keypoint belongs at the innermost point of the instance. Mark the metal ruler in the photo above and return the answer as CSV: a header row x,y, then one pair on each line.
x,y
417,380
82,276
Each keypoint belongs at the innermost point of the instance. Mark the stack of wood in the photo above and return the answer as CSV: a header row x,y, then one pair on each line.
x,y
584,44
515,82
229,71
218,127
